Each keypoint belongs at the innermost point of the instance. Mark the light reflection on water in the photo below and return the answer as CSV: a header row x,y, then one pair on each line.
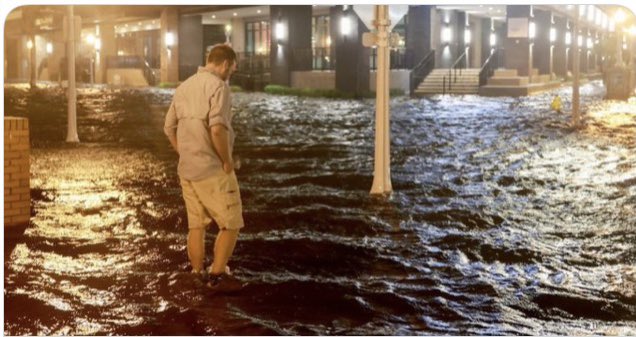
x,y
505,220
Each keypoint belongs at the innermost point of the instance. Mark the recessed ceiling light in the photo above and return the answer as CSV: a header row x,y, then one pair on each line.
x,y
213,16
235,14
258,11
489,8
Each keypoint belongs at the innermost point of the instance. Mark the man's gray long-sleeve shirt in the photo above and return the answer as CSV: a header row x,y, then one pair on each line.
x,y
199,103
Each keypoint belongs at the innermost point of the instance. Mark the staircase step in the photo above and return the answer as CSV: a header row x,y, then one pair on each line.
x,y
513,81
505,73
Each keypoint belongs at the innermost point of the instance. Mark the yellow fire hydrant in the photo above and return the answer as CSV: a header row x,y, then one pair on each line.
x,y
556,104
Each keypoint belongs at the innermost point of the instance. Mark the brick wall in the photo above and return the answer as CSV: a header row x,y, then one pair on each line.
x,y
17,196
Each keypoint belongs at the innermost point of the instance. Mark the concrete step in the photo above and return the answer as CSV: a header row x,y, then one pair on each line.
x,y
505,73
540,78
512,81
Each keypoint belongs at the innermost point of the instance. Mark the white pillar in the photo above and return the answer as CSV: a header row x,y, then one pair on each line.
x,y
382,164
71,134
575,68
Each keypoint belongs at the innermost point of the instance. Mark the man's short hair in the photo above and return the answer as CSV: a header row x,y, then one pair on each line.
x,y
220,53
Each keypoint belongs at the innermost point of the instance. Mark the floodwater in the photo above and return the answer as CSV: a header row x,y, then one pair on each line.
x,y
504,219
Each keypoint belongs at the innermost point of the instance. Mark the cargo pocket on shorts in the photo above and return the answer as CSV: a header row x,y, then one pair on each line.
x,y
231,199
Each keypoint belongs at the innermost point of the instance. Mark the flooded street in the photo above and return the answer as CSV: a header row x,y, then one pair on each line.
x,y
504,219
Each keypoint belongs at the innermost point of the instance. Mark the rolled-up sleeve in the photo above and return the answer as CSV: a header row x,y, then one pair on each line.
x,y
170,125
220,107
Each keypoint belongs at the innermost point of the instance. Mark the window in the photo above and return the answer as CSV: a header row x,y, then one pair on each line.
x,y
257,37
321,42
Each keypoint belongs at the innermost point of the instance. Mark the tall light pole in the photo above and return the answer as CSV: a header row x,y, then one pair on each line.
x,y
575,68
378,18
382,163
71,133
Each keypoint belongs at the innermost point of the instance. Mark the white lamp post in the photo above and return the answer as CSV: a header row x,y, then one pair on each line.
x,y
381,19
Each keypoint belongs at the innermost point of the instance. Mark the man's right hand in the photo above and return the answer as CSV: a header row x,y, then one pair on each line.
x,y
228,167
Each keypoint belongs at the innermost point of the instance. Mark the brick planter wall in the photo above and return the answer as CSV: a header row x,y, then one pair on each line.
x,y
17,194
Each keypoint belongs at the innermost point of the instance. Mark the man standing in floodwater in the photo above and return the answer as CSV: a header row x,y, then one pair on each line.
x,y
199,127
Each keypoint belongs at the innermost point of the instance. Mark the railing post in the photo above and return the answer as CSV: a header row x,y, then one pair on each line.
x,y
444,86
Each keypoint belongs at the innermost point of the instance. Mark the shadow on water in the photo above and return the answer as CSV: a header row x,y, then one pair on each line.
x,y
504,219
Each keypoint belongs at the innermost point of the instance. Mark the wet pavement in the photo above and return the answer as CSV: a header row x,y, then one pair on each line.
x,y
504,219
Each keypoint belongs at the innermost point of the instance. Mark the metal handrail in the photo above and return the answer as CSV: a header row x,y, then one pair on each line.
x,y
487,69
454,68
421,70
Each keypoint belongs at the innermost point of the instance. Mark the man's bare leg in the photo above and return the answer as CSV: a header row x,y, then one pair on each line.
x,y
223,248
196,248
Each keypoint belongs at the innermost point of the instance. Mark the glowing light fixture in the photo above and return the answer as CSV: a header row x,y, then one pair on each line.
x,y
228,28
580,41
568,38
279,30
90,39
590,13
532,30
169,39
30,44
632,30
98,44
467,36
328,41
345,25
590,44
49,48
493,39
446,34
258,11
619,16
553,34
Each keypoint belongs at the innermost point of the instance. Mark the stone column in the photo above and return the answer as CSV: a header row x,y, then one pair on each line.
x,y
109,49
460,27
447,52
352,58
583,53
517,49
486,30
170,54
476,44
292,50
190,45
542,52
418,34
559,56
